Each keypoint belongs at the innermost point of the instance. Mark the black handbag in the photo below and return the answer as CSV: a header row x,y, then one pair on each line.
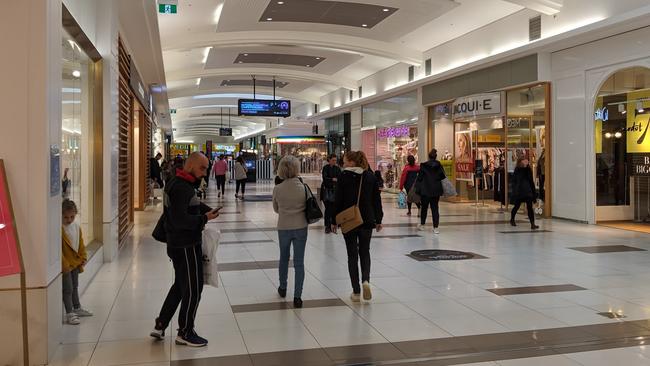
x,y
313,212
159,233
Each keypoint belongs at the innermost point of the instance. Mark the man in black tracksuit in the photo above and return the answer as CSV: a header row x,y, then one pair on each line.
x,y
184,220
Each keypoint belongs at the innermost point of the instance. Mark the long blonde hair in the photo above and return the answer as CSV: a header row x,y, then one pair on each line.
x,y
358,157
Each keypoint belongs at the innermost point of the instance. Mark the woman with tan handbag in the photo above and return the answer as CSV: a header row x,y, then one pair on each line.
x,y
358,211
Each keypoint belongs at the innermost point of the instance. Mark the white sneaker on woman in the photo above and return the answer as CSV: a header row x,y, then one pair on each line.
x,y
367,294
420,227
436,230
355,297
72,319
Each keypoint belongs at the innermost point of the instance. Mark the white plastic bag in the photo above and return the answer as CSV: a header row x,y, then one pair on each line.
x,y
209,246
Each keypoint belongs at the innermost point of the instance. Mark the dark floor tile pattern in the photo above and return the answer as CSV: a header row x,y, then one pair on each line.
x,y
607,249
535,289
322,303
525,232
243,266
455,350
395,236
260,241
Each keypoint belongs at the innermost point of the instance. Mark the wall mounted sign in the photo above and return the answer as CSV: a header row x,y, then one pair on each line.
x,y
301,140
601,114
639,165
638,133
463,156
488,104
399,131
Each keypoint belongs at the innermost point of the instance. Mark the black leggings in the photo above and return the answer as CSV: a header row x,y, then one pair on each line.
x,y
435,212
529,208
221,182
410,204
358,244
240,183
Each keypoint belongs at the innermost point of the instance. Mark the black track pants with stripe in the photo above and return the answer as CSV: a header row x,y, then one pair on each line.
x,y
187,287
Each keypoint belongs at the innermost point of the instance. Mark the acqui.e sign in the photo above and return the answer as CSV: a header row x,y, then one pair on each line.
x,y
477,105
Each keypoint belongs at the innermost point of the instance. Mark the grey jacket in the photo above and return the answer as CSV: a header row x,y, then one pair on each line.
x,y
289,202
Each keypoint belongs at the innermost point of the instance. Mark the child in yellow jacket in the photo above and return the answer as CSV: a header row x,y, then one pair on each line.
x,y
73,259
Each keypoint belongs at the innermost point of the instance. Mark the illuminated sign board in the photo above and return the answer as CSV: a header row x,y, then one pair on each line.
x,y
264,108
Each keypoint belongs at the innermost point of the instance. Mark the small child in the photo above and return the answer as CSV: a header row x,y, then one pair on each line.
x,y
73,259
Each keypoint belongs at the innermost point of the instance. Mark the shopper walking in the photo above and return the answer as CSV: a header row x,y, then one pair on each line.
x,y
408,178
219,170
330,173
184,218
357,185
289,202
240,177
155,170
429,186
523,191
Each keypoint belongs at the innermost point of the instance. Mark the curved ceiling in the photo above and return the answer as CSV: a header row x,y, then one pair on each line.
x,y
213,48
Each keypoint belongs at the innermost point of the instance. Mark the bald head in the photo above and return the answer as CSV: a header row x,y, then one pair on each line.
x,y
197,165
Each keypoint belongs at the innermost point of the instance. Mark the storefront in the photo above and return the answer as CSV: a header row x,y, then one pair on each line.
x,y
481,137
389,134
337,134
622,147
182,150
311,150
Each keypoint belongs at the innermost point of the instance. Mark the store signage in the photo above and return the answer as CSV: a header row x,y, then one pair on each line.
x,y
399,131
638,133
640,165
227,148
301,140
601,114
477,105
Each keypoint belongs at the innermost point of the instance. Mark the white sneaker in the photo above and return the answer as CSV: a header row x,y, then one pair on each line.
x,y
82,312
420,227
72,319
436,230
355,297
367,294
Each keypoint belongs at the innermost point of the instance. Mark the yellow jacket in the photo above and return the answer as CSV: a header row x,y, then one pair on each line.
x,y
71,259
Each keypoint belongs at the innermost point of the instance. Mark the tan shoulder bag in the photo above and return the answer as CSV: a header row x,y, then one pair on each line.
x,y
350,218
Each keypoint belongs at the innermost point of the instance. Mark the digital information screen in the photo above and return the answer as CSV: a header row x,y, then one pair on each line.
x,y
225,131
264,108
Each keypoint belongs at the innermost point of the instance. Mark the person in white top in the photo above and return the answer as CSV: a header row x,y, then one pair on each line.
x,y
240,177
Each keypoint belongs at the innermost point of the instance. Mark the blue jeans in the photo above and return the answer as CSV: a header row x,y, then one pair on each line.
x,y
299,239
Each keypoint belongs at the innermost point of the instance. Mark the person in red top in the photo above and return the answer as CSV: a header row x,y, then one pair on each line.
x,y
219,170
409,175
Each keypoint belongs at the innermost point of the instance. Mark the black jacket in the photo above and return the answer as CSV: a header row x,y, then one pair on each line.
x,y
523,185
184,215
429,180
369,202
154,169
330,172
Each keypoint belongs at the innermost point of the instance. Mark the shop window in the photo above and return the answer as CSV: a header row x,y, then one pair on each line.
x,y
77,166
622,143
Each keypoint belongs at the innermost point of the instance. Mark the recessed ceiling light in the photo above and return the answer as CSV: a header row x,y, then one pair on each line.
x,y
364,25
308,65
280,2
246,54
241,62
269,19
386,9
76,73
318,58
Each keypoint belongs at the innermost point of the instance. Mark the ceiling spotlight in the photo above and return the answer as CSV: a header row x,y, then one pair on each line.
x,y
385,9
364,25
608,135
240,62
639,107
618,135
269,19
308,65
76,73
318,58
246,54
280,2
621,109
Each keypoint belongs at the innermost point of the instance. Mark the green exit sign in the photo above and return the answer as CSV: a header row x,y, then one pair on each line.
x,y
167,8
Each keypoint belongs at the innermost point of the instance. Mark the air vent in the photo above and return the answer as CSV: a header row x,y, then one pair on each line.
x,y
360,93
351,92
427,67
535,28
411,73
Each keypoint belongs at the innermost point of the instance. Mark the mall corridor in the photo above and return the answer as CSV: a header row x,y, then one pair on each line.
x,y
522,127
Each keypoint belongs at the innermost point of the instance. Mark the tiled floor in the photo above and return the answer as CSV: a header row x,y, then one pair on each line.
x,y
419,309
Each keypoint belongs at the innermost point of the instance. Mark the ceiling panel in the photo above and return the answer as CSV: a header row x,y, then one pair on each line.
x,y
327,12
264,85
278,59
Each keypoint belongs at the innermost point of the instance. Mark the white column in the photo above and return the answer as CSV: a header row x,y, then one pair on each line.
x,y
31,123
423,131
355,129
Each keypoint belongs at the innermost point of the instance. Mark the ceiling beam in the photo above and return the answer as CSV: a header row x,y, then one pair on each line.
x,y
548,7
193,91
316,40
259,71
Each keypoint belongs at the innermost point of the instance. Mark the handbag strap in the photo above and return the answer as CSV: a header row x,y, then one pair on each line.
x,y
359,194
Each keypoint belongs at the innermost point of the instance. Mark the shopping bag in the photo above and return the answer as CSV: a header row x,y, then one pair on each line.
x,y
448,189
413,196
210,244
401,200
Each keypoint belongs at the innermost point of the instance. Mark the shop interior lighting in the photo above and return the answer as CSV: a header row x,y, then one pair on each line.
x,y
621,109
280,2
364,25
269,19
639,106
608,135
618,135
76,73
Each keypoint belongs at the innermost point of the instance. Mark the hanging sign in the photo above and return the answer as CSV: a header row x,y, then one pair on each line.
x,y
477,105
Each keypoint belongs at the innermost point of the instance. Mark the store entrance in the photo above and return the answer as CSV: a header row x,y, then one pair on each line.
x,y
622,149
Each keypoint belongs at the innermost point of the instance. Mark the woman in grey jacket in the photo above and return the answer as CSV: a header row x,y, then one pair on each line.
x,y
289,202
